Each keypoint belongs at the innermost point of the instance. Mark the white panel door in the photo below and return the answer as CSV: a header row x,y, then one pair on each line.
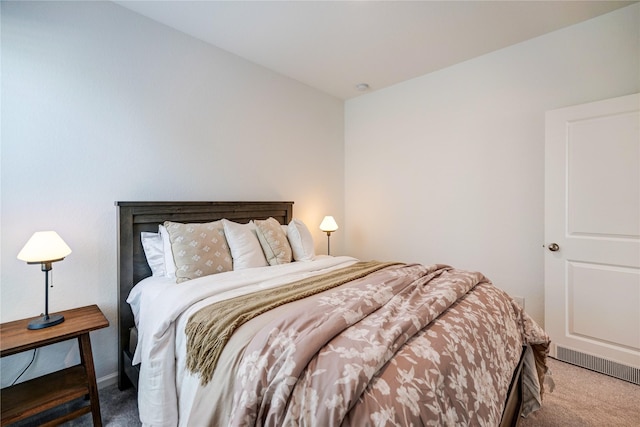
x,y
592,229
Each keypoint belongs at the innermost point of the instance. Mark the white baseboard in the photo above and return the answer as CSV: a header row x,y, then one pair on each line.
x,y
107,380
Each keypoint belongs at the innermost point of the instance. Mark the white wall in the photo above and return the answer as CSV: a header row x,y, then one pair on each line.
x,y
100,104
449,167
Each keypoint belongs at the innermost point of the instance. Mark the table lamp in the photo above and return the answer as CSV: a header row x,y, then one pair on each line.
x,y
44,248
328,225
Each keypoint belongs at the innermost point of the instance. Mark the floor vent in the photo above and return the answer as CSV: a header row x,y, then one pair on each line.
x,y
598,364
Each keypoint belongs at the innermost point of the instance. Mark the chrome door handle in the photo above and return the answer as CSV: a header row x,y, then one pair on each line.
x,y
553,247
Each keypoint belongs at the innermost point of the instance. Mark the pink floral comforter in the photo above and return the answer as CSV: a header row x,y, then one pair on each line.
x,y
406,345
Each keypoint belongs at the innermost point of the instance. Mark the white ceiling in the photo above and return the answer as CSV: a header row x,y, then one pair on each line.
x,y
334,45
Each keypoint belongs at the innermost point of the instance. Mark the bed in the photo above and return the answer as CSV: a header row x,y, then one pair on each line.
x,y
327,341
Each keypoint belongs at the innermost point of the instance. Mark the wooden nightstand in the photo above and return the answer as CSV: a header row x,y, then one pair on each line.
x,y
31,397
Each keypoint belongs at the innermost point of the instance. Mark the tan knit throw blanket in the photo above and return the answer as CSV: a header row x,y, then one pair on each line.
x,y
210,328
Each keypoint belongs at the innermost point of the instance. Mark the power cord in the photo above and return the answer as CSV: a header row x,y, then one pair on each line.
x,y
25,369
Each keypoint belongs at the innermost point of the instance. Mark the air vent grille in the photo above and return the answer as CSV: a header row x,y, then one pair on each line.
x,y
598,364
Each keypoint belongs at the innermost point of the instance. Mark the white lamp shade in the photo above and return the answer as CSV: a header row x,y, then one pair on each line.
x,y
44,246
328,224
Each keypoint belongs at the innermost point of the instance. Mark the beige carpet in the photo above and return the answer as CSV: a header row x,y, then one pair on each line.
x,y
586,398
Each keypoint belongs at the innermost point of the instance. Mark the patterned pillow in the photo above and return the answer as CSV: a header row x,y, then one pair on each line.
x,y
198,249
273,241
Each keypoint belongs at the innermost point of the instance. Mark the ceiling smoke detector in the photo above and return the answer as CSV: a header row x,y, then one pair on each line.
x,y
361,87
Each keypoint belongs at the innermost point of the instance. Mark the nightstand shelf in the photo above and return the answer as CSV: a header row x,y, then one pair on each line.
x,y
40,394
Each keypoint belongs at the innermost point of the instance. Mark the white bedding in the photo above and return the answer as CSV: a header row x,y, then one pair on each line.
x,y
161,310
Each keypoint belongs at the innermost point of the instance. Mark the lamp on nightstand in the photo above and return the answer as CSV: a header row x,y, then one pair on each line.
x,y
44,248
328,225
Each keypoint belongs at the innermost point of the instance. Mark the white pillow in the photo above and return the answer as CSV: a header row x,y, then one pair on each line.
x,y
169,263
154,251
301,241
245,247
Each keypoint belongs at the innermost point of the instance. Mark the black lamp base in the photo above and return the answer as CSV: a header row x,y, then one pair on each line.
x,y
46,321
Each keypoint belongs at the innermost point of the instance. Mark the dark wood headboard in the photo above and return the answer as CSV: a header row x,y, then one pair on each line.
x,y
136,217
